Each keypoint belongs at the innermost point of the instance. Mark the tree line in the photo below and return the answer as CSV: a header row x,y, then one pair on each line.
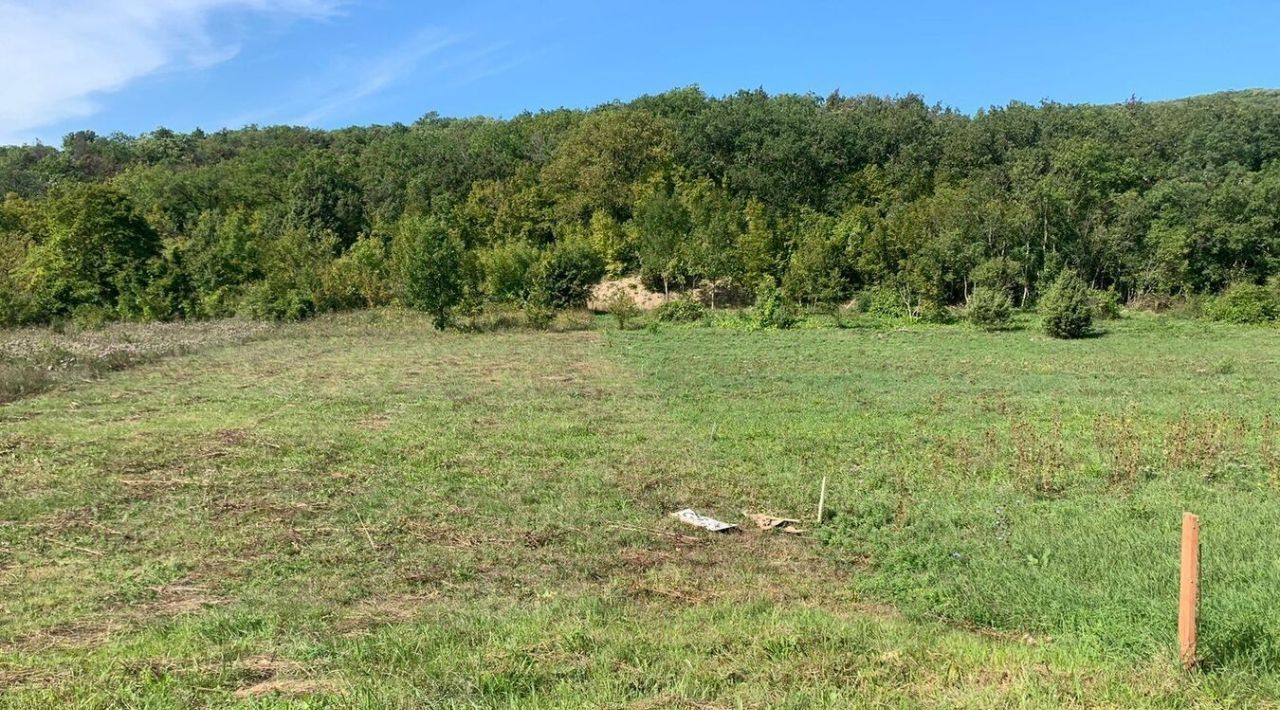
x,y
824,198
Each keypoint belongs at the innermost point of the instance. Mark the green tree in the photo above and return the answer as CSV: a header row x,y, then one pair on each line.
x,y
91,237
294,263
605,158
429,268
715,226
758,244
324,198
662,224
815,271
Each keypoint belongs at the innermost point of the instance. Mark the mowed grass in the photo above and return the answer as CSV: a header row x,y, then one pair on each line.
x,y
362,512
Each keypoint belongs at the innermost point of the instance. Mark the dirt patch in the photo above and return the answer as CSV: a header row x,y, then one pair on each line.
x,y
724,294
14,678
183,597
289,688
268,666
374,423
377,611
632,286
271,675
75,635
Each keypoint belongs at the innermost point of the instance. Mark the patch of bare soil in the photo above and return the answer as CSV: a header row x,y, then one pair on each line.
x,y
724,294
632,286
270,675
288,687
13,678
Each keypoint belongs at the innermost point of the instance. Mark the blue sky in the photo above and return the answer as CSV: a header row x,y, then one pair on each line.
x,y
133,65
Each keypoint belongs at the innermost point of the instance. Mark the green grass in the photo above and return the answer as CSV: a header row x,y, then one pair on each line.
x,y
360,511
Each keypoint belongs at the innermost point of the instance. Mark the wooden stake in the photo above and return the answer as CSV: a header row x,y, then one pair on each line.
x,y
1189,590
822,500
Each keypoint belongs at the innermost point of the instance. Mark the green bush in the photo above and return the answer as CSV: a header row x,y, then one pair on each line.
x,y
359,278
566,273
1245,303
294,262
883,301
1066,309
429,265
622,307
507,268
989,309
537,312
684,309
931,311
1106,304
770,309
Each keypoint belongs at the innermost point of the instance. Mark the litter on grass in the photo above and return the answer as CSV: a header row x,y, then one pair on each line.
x,y
689,516
770,522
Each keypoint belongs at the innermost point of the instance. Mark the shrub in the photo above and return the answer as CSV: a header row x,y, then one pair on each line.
x,y
883,301
999,274
90,316
537,313
294,262
507,268
931,311
1066,309
359,277
428,262
1245,303
685,309
1106,304
770,310
566,273
622,307
989,309
572,319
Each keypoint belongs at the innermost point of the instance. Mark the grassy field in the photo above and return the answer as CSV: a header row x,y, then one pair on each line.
x,y
360,511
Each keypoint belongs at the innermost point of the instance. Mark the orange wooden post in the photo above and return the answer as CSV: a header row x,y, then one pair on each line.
x,y
1189,590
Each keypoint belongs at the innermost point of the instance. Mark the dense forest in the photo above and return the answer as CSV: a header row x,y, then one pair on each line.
x,y
825,197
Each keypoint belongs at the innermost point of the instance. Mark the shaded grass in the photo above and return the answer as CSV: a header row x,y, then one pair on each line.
x,y
360,511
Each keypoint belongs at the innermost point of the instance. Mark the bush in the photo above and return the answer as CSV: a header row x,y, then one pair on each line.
x,y
1245,303
622,307
1066,308
989,309
770,310
359,277
1106,304
685,309
931,311
507,268
429,264
883,301
999,274
89,316
294,262
537,313
572,319
566,273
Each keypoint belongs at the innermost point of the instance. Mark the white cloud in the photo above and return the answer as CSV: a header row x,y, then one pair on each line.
x,y
362,80
61,57
429,58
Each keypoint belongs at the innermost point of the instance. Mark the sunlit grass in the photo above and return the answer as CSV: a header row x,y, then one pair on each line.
x,y
362,511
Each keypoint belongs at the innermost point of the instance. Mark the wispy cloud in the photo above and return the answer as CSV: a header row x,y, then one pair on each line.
x,y
430,57
61,58
350,84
